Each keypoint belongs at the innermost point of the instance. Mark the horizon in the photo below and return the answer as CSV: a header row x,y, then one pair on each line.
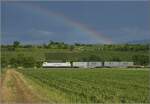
x,y
46,43
84,22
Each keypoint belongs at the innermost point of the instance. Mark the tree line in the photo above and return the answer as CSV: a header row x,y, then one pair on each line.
x,y
28,61
62,45
50,45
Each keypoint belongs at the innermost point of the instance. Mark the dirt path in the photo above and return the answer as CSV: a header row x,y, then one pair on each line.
x,y
15,89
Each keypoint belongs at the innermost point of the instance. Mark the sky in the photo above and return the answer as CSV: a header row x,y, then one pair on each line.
x,y
100,22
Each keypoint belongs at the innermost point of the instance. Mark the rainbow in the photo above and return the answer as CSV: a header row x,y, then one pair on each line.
x,y
90,32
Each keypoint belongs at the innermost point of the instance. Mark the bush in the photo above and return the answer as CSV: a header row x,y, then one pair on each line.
x,y
28,62
141,59
23,61
38,64
91,58
13,62
94,58
4,62
115,59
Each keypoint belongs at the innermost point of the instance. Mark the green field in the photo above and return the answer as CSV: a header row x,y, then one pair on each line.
x,y
90,85
24,81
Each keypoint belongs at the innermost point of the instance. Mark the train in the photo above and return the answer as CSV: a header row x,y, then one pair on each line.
x,y
86,64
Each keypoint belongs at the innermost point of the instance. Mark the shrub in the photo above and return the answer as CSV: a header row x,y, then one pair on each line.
x,y
22,60
141,59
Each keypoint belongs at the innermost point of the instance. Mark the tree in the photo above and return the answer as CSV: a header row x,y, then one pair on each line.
x,y
94,58
16,44
21,60
27,46
45,46
115,59
38,64
77,44
71,48
141,59
17,61
91,58
71,62
29,62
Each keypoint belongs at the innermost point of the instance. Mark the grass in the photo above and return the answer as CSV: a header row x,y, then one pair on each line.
x,y
91,86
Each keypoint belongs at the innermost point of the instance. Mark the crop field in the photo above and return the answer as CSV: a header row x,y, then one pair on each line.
x,y
89,85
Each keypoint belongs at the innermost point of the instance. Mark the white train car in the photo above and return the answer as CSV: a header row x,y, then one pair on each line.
x,y
87,64
56,64
95,64
80,64
118,64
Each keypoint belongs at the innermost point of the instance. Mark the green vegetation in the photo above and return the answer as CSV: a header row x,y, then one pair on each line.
x,y
141,59
84,85
91,86
17,55
16,44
